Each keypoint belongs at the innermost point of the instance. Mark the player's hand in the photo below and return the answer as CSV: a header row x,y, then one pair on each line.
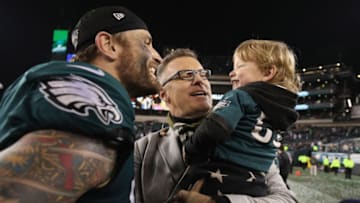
x,y
184,196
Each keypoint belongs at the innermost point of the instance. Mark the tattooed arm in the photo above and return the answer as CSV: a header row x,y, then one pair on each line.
x,y
53,166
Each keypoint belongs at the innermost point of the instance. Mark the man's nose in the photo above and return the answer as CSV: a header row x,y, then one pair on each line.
x,y
197,78
156,56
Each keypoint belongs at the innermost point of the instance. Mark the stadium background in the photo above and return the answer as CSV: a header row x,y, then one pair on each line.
x,y
323,34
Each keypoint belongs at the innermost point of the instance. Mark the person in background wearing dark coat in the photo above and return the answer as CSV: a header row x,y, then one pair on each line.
x,y
284,164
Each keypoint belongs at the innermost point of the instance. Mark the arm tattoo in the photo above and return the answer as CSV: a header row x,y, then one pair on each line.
x,y
53,166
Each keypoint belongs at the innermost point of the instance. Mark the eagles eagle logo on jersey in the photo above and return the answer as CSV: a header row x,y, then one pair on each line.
x,y
221,104
80,96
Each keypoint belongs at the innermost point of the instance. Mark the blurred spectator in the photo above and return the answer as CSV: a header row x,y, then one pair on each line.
x,y
335,165
326,164
303,160
348,165
313,166
284,164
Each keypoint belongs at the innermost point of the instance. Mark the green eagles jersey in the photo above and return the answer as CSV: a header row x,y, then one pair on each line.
x,y
65,96
252,143
74,97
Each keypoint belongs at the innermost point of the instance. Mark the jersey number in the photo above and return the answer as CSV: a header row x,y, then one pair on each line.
x,y
260,133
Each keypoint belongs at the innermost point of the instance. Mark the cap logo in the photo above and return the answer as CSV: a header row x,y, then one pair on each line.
x,y
119,16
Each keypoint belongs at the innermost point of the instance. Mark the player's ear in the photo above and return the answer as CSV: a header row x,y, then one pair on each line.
x,y
105,43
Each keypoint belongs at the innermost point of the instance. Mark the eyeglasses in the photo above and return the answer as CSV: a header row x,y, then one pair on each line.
x,y
189,75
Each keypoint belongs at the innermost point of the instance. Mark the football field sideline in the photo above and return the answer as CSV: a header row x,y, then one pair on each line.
x,y
323,188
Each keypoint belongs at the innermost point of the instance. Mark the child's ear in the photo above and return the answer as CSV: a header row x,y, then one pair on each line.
x,y
270,73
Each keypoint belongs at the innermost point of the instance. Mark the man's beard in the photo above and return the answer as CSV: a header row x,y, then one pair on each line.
x,y
141,86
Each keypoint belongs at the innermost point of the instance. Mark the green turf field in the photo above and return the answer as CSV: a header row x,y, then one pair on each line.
x,y
323,188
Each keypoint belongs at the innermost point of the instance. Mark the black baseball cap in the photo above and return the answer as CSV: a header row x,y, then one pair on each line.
x,y
112,19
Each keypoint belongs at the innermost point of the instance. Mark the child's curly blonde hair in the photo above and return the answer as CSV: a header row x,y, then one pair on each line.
x,y
268,53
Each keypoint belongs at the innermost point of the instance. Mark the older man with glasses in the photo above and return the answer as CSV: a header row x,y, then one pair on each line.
x,y
159,160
